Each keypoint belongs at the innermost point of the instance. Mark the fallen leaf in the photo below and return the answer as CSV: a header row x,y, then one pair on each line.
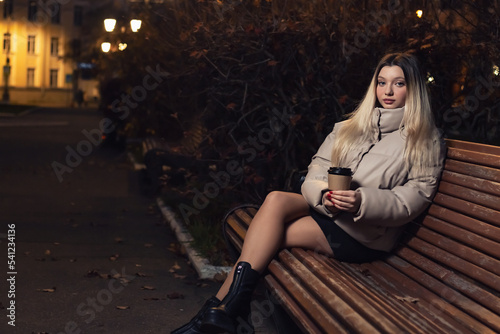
x,y
147,245
179,276
124,281
175,295
47,290
147,287
47,252
174,268
118,240
408,299
123,307
153,298
114,257
139,274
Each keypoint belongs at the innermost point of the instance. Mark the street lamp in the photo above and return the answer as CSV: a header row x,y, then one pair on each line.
x,y
109,24
105,47
135,25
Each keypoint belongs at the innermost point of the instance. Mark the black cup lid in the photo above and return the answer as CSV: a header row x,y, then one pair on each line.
x,y
340,171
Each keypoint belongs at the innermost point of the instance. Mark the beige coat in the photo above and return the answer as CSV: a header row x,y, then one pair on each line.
x,y
390,195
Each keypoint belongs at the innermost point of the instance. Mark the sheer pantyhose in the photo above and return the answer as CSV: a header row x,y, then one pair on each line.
x,y
282,221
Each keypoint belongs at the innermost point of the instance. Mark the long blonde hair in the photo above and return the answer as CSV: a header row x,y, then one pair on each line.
x,y
417,120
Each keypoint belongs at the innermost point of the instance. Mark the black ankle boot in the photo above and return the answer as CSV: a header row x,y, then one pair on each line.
x,y
193,327
234,309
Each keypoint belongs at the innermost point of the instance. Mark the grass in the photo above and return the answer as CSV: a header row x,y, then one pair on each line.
x,y
205,228
208,240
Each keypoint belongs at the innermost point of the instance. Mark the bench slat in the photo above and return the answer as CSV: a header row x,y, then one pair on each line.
x,y
485,298
452,261
460,250
294,310
468,223
390,301
236,226
467,181
473,196
345,291
478,158
310,306
465,237
466,168
470,209
470,146
335,305
448,316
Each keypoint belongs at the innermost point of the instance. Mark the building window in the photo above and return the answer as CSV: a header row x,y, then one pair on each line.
x,y
54,46
32,9
30,79
31,44
6,43
55,13
78,16
53,78
7,8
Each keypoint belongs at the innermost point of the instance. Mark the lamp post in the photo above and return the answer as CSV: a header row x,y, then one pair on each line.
x,y
6,73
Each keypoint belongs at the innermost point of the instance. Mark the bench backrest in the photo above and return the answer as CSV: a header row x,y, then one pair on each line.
x,y
456,247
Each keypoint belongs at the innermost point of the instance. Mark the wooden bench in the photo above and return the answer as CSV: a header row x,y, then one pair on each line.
x,y
444,277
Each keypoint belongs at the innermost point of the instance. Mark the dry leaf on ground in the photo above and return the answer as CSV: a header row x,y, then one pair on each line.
x,y
175,295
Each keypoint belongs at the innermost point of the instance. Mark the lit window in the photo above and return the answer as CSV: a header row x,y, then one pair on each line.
x,y
32,10
30,79
31,44
55,13
8,8
6,43
54,46
53,78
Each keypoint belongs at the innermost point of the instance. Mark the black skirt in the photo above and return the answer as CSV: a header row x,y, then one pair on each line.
x,y
345,248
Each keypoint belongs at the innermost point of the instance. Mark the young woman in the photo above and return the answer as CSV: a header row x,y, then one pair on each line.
x,y
395,152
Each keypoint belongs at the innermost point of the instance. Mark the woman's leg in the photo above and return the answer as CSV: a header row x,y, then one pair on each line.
x,y
282,221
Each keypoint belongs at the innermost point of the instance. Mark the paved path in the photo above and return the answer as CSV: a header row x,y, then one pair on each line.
x,y
91,254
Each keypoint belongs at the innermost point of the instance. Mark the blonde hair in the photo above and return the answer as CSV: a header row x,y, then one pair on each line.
x,y
418,121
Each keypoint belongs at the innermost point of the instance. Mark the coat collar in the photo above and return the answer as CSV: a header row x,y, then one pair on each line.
x,y
389,120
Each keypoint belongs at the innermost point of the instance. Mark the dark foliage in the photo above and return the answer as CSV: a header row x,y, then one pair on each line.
x,y
266,81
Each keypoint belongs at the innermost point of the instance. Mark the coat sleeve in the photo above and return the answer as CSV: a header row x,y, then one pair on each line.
x,y
316,181
400,205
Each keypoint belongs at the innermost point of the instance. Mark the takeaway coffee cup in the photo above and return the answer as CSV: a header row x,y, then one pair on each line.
x,y
339,178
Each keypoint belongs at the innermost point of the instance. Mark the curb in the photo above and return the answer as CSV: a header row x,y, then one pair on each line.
x,y
202,266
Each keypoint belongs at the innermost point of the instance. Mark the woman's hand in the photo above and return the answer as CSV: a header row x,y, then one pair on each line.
x,y
343,200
